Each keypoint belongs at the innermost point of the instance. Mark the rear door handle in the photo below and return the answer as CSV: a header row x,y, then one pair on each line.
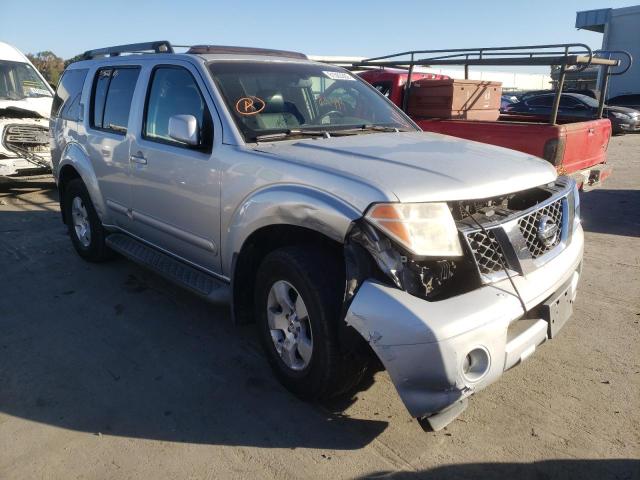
x,y
139,159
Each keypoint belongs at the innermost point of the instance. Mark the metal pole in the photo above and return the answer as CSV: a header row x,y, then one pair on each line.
x,y
407,87
603,90
556,100
466,72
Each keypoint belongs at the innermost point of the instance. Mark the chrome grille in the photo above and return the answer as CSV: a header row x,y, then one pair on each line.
x,y
26,135
529,228
486,251
518,242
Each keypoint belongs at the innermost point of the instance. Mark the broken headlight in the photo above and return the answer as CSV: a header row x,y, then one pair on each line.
x,y
424,229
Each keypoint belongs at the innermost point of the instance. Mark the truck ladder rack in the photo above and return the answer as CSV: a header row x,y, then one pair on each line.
x,y
575,56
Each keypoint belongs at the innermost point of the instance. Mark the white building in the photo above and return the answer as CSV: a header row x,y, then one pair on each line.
x,y
621,31
509,80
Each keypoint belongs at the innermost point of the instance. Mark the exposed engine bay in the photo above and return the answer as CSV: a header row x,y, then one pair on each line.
x,y
432,278
499,207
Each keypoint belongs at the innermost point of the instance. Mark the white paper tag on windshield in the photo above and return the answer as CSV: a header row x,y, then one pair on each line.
x,y
38,91
338,75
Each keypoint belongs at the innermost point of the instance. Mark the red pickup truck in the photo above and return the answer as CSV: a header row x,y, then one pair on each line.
x,y
576,147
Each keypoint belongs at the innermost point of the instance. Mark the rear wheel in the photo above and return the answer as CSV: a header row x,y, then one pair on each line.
x,y
298,300
86,231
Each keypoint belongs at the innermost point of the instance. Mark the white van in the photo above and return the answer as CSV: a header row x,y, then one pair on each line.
x,y
25,105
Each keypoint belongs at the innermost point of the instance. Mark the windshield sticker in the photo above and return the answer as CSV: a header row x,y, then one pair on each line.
x,y
250,105
338,75
38,91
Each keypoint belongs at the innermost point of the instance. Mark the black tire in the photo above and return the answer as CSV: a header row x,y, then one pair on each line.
x,y
318,276
95,250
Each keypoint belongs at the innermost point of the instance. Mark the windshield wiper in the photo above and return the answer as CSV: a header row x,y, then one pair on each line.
x,y
325,133
291,133
371,127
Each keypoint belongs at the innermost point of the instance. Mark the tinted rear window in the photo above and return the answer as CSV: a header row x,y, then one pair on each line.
x,y
566,101
546,101
112,94
66,103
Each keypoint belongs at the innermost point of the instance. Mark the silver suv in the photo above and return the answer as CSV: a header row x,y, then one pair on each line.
x,y
301,195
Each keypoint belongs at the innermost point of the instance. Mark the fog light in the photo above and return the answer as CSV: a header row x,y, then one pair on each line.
x,y
476,364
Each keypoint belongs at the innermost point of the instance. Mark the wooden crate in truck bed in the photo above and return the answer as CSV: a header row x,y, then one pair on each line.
x,y
455,99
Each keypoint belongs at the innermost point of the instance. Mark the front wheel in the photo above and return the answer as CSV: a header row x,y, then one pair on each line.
x,y
298,299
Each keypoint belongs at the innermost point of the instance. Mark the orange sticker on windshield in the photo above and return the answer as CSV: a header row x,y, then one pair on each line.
x,y
250,105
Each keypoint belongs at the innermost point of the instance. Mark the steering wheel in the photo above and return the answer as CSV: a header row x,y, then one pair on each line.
x,y
327,114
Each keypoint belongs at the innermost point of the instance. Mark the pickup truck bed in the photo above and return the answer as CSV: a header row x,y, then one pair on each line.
x,y
573,147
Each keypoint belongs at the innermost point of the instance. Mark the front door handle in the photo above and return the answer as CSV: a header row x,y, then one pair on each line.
x,y
139,159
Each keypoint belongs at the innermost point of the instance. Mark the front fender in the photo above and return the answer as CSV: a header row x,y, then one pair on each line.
x,y
286,204
76,157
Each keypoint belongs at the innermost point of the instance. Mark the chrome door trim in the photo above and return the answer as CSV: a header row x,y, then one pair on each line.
x,y
117,207
188,237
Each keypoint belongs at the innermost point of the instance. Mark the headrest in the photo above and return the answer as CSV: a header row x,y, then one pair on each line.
x,y
274,102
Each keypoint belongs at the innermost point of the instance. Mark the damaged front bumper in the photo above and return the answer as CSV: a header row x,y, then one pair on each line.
x,y
24,146
427,346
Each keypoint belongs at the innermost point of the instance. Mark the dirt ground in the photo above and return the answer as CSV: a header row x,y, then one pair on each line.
x,y
107,371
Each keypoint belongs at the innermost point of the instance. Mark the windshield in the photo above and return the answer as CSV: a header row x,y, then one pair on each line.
x,y
273,97
19,80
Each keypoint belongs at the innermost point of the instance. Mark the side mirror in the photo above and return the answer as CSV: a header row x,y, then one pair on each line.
x,y
184,129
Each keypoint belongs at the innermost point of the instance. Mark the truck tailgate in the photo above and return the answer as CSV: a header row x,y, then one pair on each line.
x,y
585,144
525,137
571,147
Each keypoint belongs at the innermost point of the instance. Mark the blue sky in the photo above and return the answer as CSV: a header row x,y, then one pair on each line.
x,y
326,27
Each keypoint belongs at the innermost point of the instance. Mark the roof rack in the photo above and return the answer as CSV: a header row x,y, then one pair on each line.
x,y
576,56
224,49
161,46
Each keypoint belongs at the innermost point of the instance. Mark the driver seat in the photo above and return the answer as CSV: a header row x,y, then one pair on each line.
x,y
277,113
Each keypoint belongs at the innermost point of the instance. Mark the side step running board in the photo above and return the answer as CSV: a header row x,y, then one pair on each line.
x,y
186,276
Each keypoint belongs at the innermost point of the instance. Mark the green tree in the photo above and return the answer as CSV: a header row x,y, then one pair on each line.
x,y
49,64
69,61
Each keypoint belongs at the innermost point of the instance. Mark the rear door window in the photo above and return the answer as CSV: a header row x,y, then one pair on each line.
x,y
112,94
568,102
66,103
100,87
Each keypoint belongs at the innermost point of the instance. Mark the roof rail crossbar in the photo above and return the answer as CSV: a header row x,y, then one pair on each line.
x,y
161,46
225,49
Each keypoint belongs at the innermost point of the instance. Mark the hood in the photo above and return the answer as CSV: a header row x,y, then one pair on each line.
x,y
420,166
629,111
40,105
